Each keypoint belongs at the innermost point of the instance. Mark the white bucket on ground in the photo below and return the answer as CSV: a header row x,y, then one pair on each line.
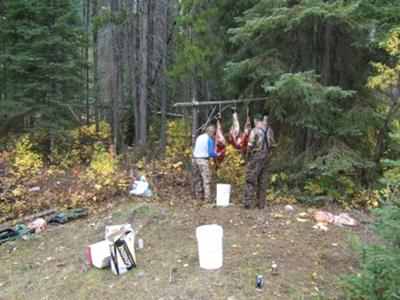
x,y
223,194
209,241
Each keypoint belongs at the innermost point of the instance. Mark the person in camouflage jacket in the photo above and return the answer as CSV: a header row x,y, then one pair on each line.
x,y
257,170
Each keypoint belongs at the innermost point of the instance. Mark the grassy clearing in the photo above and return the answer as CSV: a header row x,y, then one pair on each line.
x,y
53,264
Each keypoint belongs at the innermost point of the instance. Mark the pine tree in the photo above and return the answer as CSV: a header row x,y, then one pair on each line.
x,y
312,58
41,59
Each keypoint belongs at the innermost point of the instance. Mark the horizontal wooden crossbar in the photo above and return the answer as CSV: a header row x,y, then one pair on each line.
x,y
217,102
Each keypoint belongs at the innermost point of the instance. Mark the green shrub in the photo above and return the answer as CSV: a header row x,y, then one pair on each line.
x,y
379,277
335,174
380,263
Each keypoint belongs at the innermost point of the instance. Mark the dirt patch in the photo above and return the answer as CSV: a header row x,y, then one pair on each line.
x,y
53,264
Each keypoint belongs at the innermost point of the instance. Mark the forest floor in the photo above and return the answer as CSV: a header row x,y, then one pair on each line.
x,y
53,264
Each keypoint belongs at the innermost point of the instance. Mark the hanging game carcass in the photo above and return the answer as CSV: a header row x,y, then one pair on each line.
x,y
246,133
240,141
234,132
220,142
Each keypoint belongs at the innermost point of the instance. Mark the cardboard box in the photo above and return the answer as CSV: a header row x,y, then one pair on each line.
x,y
114,228
122,250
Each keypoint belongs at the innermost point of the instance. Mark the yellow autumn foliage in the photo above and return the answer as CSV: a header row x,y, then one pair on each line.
x,y
314,188
232,170
388,76
90,131
365,198
102,161
77,146
25,159
176,150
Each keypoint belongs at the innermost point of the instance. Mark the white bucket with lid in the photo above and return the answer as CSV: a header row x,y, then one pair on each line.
x,y
209,240
223,194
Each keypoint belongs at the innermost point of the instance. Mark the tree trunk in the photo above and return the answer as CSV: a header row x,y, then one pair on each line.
x,y
132,59
95,48
308,145
314,51
143,73
115,78
186,125
195,122
2,67
163,71
121,79
327,48
186,94
87,22
195,88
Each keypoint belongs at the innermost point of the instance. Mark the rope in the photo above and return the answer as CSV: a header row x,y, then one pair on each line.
x,y
202,127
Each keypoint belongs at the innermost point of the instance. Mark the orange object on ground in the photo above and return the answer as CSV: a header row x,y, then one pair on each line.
x,y
323,217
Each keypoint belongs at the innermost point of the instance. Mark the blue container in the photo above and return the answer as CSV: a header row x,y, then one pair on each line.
x,y
260,282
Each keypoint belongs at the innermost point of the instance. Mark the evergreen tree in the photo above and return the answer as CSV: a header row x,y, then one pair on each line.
x,y
379,277
42,63
312,58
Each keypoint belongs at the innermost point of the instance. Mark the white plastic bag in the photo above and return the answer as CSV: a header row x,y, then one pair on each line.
x,y
141,188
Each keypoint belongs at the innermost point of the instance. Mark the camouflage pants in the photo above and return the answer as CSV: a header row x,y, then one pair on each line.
x,y
256,180
201,178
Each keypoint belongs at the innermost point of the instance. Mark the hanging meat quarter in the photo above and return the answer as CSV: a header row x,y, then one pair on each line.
x,y
234,132
246,133
220,142
240,141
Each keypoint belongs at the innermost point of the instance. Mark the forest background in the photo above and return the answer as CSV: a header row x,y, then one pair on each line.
x,y
89,86
78,76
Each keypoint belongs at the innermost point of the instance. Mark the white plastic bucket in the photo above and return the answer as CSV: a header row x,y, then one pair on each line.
x,y
209,240
223,194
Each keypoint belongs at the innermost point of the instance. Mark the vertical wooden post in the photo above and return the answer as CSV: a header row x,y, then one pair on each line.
x,y
186,125
195,120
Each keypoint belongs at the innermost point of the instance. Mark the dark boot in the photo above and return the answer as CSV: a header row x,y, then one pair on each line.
x,y
261,204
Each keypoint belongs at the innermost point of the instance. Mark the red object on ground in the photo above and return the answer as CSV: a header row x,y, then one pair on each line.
x,y
220,142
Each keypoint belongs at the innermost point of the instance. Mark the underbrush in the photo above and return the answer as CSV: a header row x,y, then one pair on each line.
x,y
84,157
379,277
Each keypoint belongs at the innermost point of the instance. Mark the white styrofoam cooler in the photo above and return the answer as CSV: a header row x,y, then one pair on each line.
x,y
99,254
